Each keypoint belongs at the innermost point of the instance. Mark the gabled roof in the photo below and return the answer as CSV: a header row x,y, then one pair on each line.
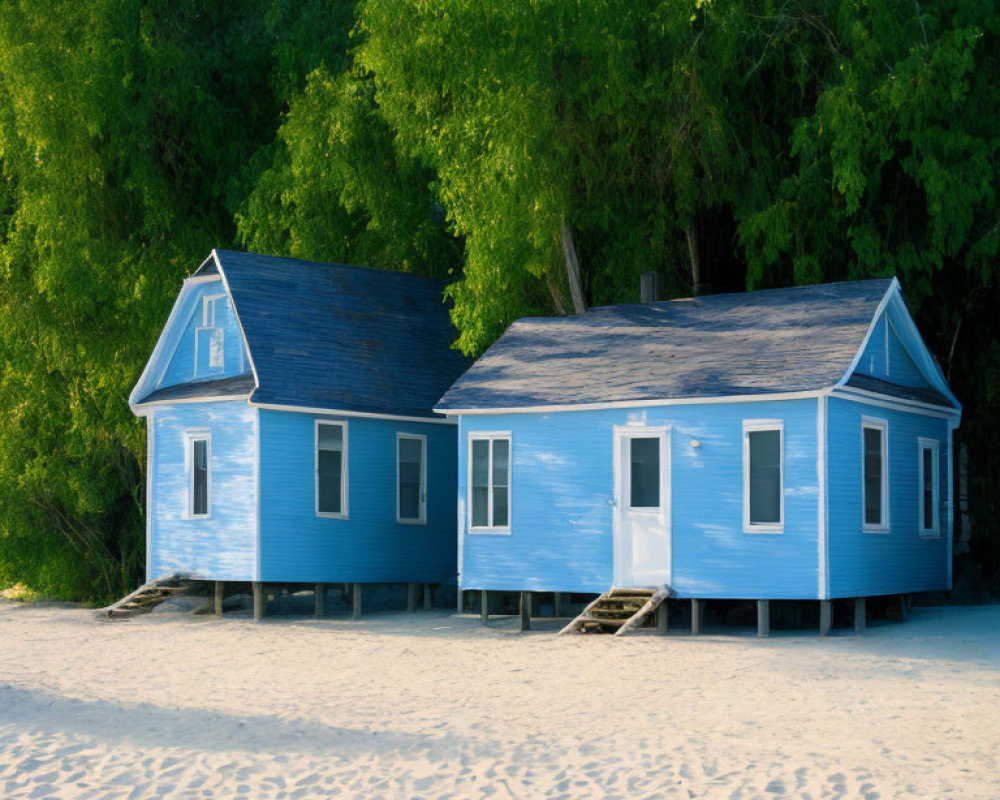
x,y
335,337
771,342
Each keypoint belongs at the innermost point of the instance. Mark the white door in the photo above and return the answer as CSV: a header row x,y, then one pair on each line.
x,y
642,507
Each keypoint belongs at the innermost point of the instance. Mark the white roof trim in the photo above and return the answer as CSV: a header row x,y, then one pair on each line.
x,y
339,412
924,361
893,287
898,403
162,341
236,313
185,400
680,401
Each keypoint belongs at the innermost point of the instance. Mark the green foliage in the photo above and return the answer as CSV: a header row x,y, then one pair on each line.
x,y
736,144
123,127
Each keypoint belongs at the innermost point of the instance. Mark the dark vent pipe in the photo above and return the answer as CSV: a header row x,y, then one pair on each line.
x,y
649,287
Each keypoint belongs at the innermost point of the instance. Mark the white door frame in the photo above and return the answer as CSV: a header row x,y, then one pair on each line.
x,y
628,522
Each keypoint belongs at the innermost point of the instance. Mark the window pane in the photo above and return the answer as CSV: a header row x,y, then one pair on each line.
x,y
410,456
215,348
501,460
410,451
330,466
873,476
645,456
480,482
199,500
765,476
500,507
928,488
331,437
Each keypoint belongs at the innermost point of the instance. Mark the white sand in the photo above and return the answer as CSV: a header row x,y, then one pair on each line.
x,y
427,705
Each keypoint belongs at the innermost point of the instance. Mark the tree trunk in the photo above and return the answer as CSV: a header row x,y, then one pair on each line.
x,y
556,296
572,270
692,239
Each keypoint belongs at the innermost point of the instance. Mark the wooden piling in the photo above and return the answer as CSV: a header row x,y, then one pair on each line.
x,y
411,596
902,607
319,595
860,615
258,601
763,618
663,618
484,606
220,591
825,617
356,601
557,604
525,611
696,616
428,597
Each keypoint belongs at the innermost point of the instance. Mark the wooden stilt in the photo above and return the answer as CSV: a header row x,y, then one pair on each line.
x,y
663,618
258,601
484,606
220,591
902,607
696,613
763,618
825,617
557,604
525,611
428,597
411,596
860,615
356,601
319,595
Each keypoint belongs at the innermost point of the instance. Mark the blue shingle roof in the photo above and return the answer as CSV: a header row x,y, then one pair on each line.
x,y
338,337
750,343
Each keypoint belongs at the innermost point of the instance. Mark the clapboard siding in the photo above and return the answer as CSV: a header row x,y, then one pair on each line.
x,y
561,536
222,546
370,546
901,560
181,366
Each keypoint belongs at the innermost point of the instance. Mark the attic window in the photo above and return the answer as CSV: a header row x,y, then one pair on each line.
x,y
209,338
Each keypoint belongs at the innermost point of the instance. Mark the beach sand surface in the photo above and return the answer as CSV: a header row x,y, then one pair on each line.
x,y
432,705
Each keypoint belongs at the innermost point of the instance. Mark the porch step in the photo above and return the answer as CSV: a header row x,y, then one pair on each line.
x,y
146,597
618,611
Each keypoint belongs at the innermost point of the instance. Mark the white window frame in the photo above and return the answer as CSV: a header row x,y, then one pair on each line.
x,y
881,425
934,446
490,436
190,437
422,518
208,323
750,426
343,514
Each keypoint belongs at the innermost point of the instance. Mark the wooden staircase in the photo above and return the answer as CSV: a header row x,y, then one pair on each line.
x,y
146,597
618,611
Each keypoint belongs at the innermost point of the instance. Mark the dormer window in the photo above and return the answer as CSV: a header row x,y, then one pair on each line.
x,y
210,340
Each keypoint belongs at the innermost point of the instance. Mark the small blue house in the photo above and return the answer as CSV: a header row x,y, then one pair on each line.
x,y
291,437
782,444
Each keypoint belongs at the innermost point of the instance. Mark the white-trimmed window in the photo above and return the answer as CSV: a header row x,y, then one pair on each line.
x,y
874,475
763,476
199,448
411,478
489,482
331,469
928,451
210,340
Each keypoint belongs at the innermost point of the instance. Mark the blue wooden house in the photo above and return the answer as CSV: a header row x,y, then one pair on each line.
x,y
782,444
291,437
